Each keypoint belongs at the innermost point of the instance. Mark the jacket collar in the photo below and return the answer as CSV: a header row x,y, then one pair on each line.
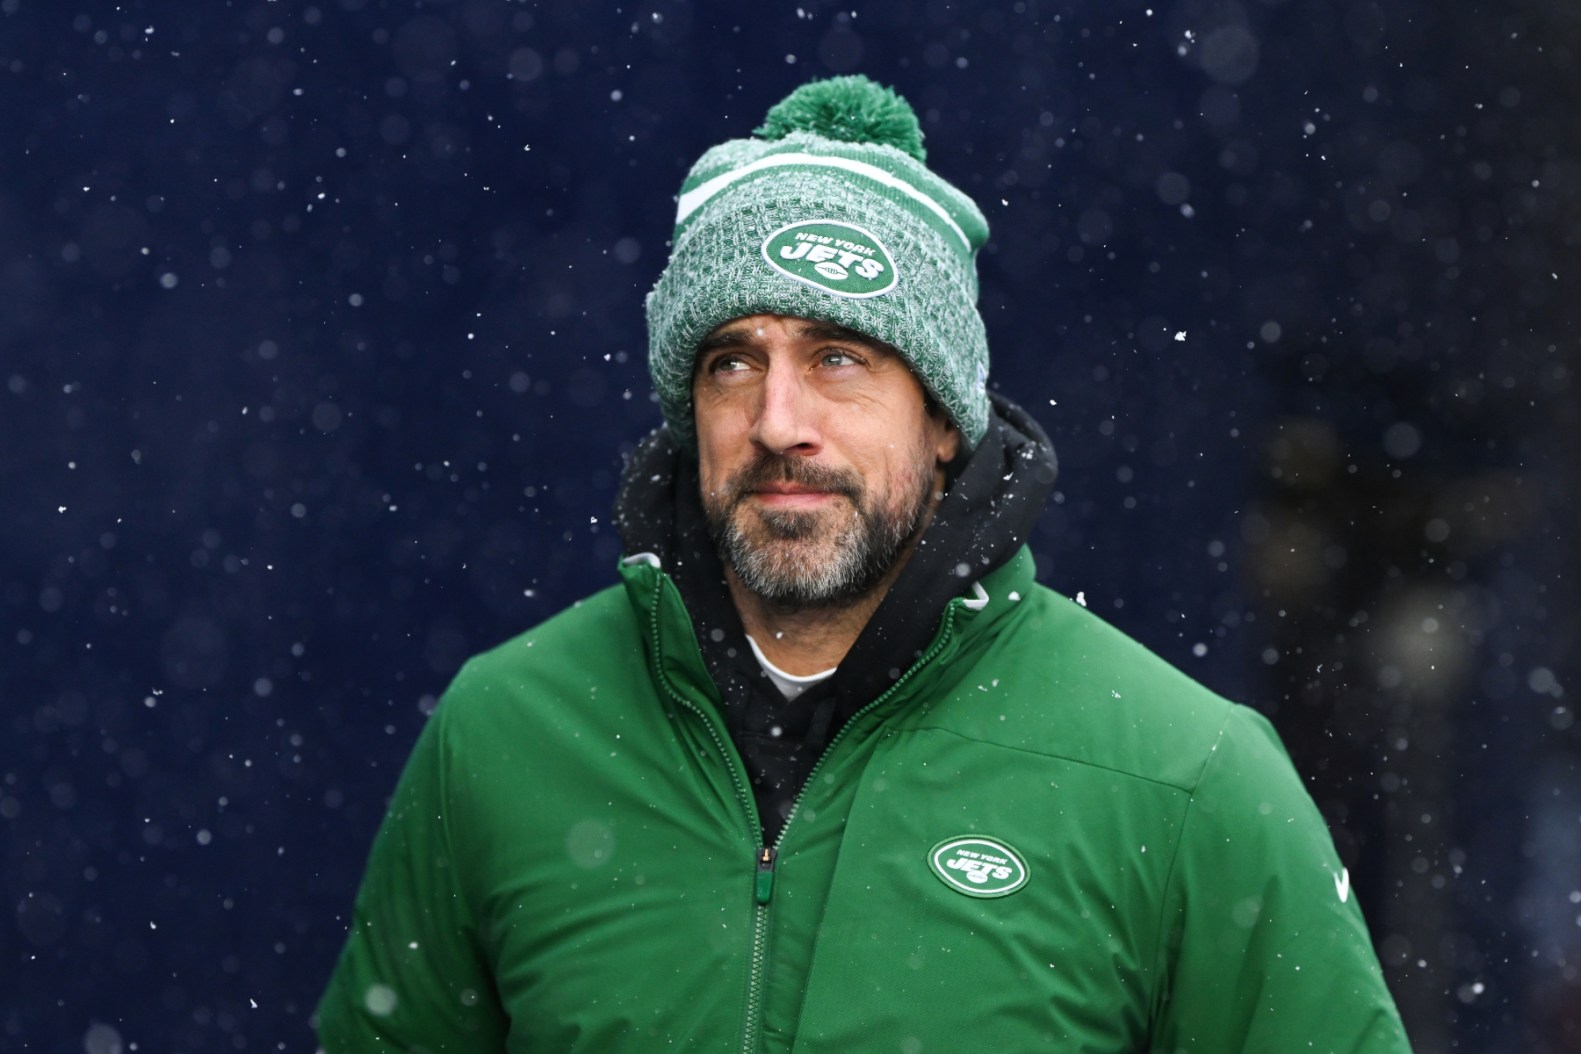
x,y
676,657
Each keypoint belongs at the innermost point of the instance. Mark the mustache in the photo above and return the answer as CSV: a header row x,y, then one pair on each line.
x,y
768,468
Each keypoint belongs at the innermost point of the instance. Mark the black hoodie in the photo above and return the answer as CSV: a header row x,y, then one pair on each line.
x,y
992,500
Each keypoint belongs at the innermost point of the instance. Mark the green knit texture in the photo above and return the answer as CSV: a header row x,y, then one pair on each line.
x,y
850,109
843,152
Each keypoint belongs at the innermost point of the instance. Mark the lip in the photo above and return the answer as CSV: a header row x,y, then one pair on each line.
x,y
791,497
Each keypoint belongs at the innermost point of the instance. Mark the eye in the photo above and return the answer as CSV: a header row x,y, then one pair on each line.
x,y
728,364
835,357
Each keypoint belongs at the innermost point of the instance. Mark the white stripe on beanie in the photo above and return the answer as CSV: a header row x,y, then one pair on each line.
x,y
699,195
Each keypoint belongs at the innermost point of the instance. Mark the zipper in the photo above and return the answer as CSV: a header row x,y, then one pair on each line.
x,y
743,795
765,883
763,888
927,657
760,938
768,856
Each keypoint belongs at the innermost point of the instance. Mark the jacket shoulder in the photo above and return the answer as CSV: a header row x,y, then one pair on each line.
x,y
571,652
1070,685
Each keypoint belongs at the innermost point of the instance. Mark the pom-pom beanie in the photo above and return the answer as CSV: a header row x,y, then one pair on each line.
x,y
828,214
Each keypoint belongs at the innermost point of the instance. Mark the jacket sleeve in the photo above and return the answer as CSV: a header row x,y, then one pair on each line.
x,y
412,976
1267,949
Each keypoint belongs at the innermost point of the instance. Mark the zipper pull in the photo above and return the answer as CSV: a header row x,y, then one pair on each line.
x,y
765,883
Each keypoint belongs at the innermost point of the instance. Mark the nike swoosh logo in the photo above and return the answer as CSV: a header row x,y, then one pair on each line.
x,y
1342,884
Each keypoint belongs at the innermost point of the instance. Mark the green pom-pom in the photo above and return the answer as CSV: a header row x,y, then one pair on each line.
x,y
851,109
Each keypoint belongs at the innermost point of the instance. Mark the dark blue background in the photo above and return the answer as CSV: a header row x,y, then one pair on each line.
x,y
321,339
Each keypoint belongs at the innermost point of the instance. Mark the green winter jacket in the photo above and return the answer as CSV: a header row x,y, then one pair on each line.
x,y
1043,838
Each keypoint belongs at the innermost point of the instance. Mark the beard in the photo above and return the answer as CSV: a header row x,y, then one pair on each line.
x,y
830,557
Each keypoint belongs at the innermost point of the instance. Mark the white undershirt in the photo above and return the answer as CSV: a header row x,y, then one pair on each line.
x,y
789,684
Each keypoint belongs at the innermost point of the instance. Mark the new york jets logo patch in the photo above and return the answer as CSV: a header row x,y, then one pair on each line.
x,y
839,258
978,866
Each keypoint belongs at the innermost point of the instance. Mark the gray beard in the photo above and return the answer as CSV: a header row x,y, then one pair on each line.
x,y
798,561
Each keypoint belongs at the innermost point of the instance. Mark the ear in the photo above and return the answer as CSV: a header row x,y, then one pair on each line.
x,y
949,443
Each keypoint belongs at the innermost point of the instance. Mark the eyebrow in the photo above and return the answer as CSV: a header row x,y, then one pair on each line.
x,y
833,331
741,336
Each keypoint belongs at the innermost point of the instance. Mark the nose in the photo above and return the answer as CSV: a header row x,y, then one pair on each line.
x,y
787,419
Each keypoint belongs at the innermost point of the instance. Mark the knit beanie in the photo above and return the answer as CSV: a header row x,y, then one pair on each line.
x,y
828,214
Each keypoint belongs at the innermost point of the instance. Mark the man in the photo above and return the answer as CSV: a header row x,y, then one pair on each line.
x,y
830,771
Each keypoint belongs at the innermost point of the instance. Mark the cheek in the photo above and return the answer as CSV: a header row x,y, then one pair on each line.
x,y
905,469
710,476
717,459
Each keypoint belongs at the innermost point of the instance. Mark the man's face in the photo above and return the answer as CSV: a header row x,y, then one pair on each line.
x,y
819,456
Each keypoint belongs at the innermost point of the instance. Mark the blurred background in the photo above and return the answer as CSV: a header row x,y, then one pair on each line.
x,y
321,342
